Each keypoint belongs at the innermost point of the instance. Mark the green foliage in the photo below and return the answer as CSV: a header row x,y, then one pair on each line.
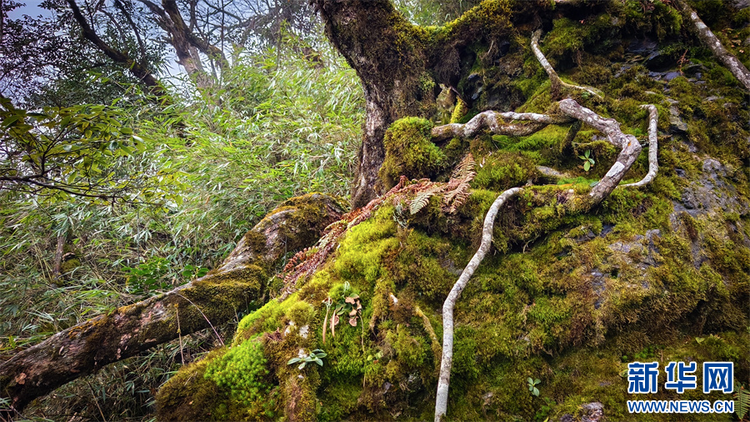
x,y
88,150
532,383
742,402
587,160
315,356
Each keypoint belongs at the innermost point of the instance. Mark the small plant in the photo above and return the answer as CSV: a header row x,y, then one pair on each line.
x,y
315,356
742,402
532,383
587,160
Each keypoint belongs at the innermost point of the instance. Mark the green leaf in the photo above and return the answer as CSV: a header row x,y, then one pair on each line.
x,y
587,166
293,360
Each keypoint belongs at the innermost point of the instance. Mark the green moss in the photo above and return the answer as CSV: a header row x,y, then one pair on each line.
x,y
242,370
409,152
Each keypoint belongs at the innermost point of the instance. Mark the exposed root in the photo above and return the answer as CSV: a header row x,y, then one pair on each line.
x,y
629,146
441,402
611,128
712,43
653,145
557,83
494,121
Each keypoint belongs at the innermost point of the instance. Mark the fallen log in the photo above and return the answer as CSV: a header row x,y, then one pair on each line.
x,y
208,301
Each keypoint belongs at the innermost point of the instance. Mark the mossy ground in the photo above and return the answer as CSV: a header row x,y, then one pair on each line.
x,y
568,295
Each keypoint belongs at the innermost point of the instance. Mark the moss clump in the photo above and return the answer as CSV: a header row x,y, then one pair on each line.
x,y
242,370
409,152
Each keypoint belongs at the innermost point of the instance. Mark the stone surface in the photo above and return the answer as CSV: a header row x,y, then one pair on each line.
x,y
592,412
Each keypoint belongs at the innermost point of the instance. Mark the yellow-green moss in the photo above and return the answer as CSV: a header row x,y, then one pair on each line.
x,y
409,152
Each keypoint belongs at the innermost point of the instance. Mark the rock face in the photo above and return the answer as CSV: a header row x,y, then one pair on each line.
x,y
567,297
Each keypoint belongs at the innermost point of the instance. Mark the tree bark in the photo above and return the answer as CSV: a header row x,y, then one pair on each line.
x,y
210,300
389,58
402,65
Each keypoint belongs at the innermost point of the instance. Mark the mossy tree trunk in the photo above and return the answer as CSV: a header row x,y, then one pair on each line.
x,y
402,66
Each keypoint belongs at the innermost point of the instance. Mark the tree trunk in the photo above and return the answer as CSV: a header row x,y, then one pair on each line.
x,y
208,301
402,65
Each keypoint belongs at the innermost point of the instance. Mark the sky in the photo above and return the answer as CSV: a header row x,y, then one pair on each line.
x,y
31,8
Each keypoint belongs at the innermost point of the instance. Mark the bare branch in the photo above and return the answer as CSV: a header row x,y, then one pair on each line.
x,y
119,57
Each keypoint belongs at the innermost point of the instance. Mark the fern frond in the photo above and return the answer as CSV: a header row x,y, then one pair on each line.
x,y
465,169
458,189
742,404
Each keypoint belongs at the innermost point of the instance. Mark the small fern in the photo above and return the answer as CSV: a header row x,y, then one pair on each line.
x,y
465,169
420,201
742,402
458,190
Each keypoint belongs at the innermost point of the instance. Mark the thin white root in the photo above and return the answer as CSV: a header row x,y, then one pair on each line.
x,y
494,121
709,40
441,402
630,147
553,77
653,145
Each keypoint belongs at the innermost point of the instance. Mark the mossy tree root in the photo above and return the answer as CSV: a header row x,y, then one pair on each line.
x,y
213,299
557,83
712,43
653,145
441,402
629,146
493,121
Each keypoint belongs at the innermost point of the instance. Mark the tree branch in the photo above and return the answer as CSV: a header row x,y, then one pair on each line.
x,y
138,70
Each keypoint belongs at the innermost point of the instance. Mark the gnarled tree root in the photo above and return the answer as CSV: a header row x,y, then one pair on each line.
x,y
629,146
213,299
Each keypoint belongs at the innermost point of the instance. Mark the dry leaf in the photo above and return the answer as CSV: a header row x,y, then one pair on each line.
x,y
353,321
